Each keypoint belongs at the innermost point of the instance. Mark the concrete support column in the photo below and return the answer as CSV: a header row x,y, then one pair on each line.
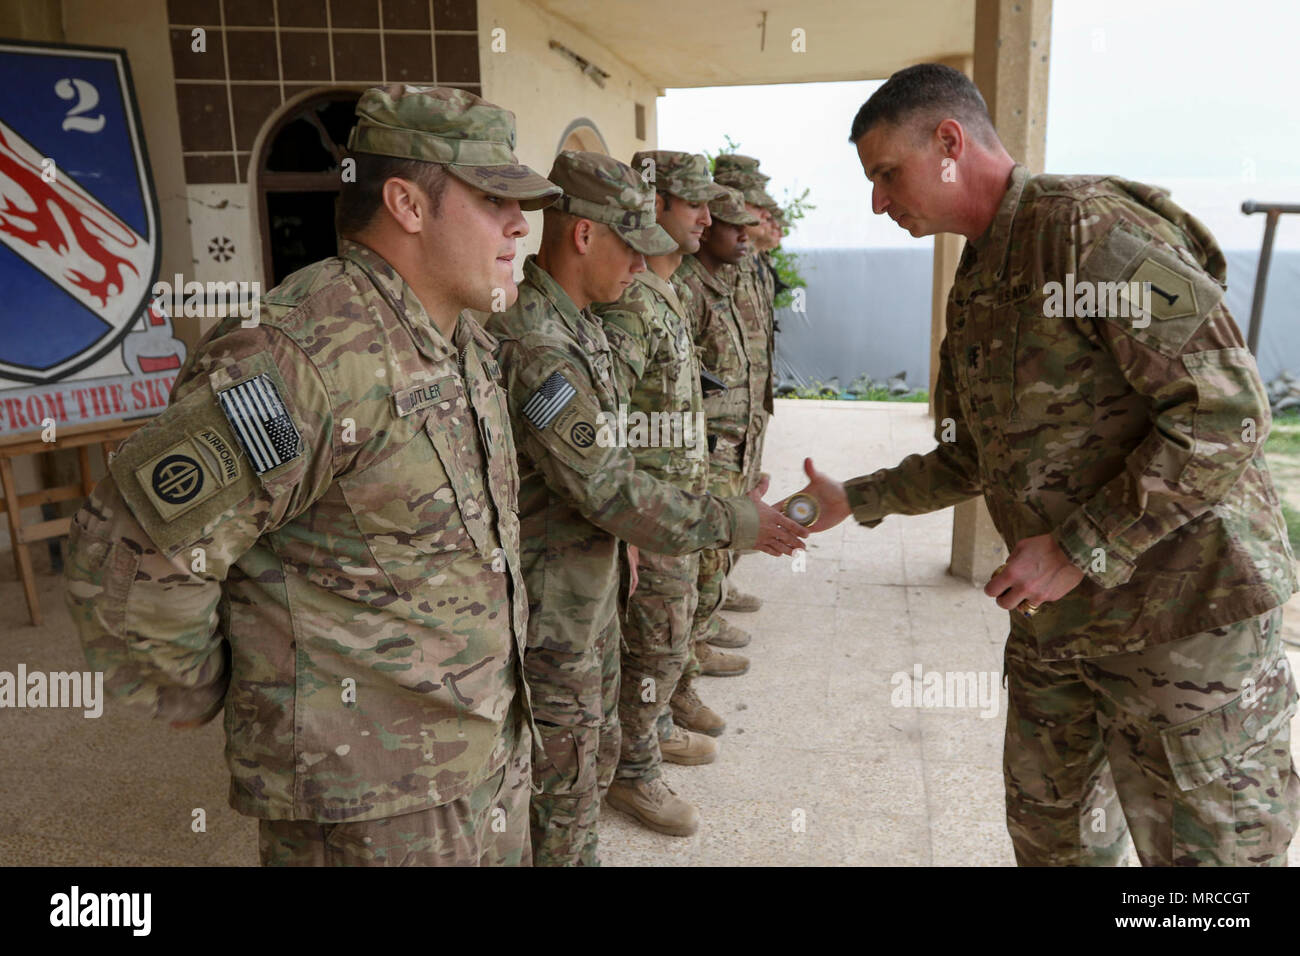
x,y
1010,68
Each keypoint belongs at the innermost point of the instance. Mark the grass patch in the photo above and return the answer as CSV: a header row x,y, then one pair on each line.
x,y
1284,437
1292,518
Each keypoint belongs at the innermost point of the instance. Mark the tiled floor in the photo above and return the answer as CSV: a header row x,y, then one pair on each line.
x,y
817,765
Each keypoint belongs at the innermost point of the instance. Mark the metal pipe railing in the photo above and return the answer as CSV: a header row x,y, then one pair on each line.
x,y
1271,210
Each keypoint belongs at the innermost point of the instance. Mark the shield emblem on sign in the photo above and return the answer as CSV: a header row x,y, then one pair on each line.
x,y
79,245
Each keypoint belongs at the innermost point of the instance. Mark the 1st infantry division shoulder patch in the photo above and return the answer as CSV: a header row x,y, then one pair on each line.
x,y
549,400
261,423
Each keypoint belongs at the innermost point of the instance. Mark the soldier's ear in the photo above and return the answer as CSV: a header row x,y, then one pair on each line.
x,y
402,202
952,138
583,234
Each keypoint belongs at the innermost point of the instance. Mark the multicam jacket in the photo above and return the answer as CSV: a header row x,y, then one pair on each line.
x,y
580,490
733,344
320,532
754,301
649,331
1135,439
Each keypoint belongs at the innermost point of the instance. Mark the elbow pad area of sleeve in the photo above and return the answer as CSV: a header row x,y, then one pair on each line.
x,y
98,572
1231,417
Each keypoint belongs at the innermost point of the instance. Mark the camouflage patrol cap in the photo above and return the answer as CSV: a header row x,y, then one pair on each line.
x,y
435,124
731,208
679,174
728,164
602,189
757,195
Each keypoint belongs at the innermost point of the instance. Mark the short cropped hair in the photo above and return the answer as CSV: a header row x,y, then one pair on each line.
x,y
930,92
359,201
557,224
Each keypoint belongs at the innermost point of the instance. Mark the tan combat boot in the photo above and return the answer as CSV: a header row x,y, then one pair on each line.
x,y
655,804
740,601
693,714
716,664
688,749
729,635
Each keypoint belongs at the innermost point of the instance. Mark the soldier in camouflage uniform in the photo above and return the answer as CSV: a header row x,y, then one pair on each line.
x,y
649,331
1117,438
580,490
754,297
319,533
731,352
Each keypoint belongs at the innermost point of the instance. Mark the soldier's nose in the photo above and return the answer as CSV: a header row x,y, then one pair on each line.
x,y
877,201
517,226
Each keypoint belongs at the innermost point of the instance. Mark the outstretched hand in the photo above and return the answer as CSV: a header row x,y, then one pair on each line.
x,y
777,534
830,496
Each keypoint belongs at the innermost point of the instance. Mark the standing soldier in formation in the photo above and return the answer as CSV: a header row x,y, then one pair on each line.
x,y
754,295
732,352
1117,439
580,492
649,331
319,533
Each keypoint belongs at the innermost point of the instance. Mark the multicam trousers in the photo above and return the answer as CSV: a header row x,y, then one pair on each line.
x,y
575,704
487,827
656,645
714,568
1186,745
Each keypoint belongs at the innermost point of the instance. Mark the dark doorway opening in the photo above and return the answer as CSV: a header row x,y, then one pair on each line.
x,y
298,182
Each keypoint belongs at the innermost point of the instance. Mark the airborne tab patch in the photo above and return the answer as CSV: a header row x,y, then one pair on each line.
x,y
261,423
188,473
549,400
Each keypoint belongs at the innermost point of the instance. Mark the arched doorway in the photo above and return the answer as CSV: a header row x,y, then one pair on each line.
x,y
582,134
296,176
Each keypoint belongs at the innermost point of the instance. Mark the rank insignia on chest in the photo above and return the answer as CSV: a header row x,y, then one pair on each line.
x,y
261,423
549,400
973,357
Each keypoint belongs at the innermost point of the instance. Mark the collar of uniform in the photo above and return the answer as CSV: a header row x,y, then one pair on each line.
x,y
545,283
580,322
715,282
665,291
400,295
991,247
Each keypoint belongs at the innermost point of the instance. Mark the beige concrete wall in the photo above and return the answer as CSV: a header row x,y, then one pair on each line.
x,y
547,91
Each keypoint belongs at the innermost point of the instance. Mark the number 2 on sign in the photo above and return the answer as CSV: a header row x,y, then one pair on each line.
x,y
87,99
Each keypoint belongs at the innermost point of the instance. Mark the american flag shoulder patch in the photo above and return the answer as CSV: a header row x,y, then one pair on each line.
x,y
261,423
549,400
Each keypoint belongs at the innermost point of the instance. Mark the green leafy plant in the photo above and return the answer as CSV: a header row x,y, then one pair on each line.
x,y
820,390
